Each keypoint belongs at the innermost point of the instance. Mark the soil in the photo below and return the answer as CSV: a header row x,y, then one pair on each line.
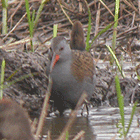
x,y
27,70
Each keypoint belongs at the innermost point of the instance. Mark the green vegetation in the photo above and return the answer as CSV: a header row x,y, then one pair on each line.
x,y
116,60
89,28
100,33
122,129
55,30
43,2
2,86
4,16
2,78
117,3
32,21
19,79
88,45
67,135
115,23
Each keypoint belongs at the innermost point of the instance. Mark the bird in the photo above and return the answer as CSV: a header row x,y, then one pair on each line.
x,y
72,72
77,40
14,122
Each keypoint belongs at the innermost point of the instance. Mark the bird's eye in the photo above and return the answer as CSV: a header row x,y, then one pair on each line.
x,y
61,49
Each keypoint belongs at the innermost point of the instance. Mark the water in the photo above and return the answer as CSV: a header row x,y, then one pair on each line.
x,y
101,124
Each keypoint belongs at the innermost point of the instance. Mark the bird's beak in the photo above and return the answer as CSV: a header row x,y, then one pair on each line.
x,y
55,58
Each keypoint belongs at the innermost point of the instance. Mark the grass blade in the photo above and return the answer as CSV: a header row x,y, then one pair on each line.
x,y
33,18
28,16
116,60
131,118
101,32
39,12
2,78
55,30
115,24
19,79
120,102
89,27
4,16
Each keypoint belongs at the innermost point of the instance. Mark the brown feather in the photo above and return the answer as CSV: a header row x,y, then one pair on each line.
x,y
77,41
82,65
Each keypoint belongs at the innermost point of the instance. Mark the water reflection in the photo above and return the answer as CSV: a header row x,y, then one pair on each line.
x,y
100,124
56,125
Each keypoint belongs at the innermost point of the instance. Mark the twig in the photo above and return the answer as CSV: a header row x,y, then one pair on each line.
x,y
65,12
97,20
132,6
44,109
79,135
19,5
16,43
106,7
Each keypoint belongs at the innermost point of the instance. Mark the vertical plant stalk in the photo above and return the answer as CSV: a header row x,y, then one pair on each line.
x,y
2,78
121,107
4,16
120,103
89,27
115,24
33,21
14,26
55,30
30,23
4,21
28,16
32,30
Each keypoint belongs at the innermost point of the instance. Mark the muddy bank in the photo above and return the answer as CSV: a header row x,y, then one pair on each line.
x,y
30,90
